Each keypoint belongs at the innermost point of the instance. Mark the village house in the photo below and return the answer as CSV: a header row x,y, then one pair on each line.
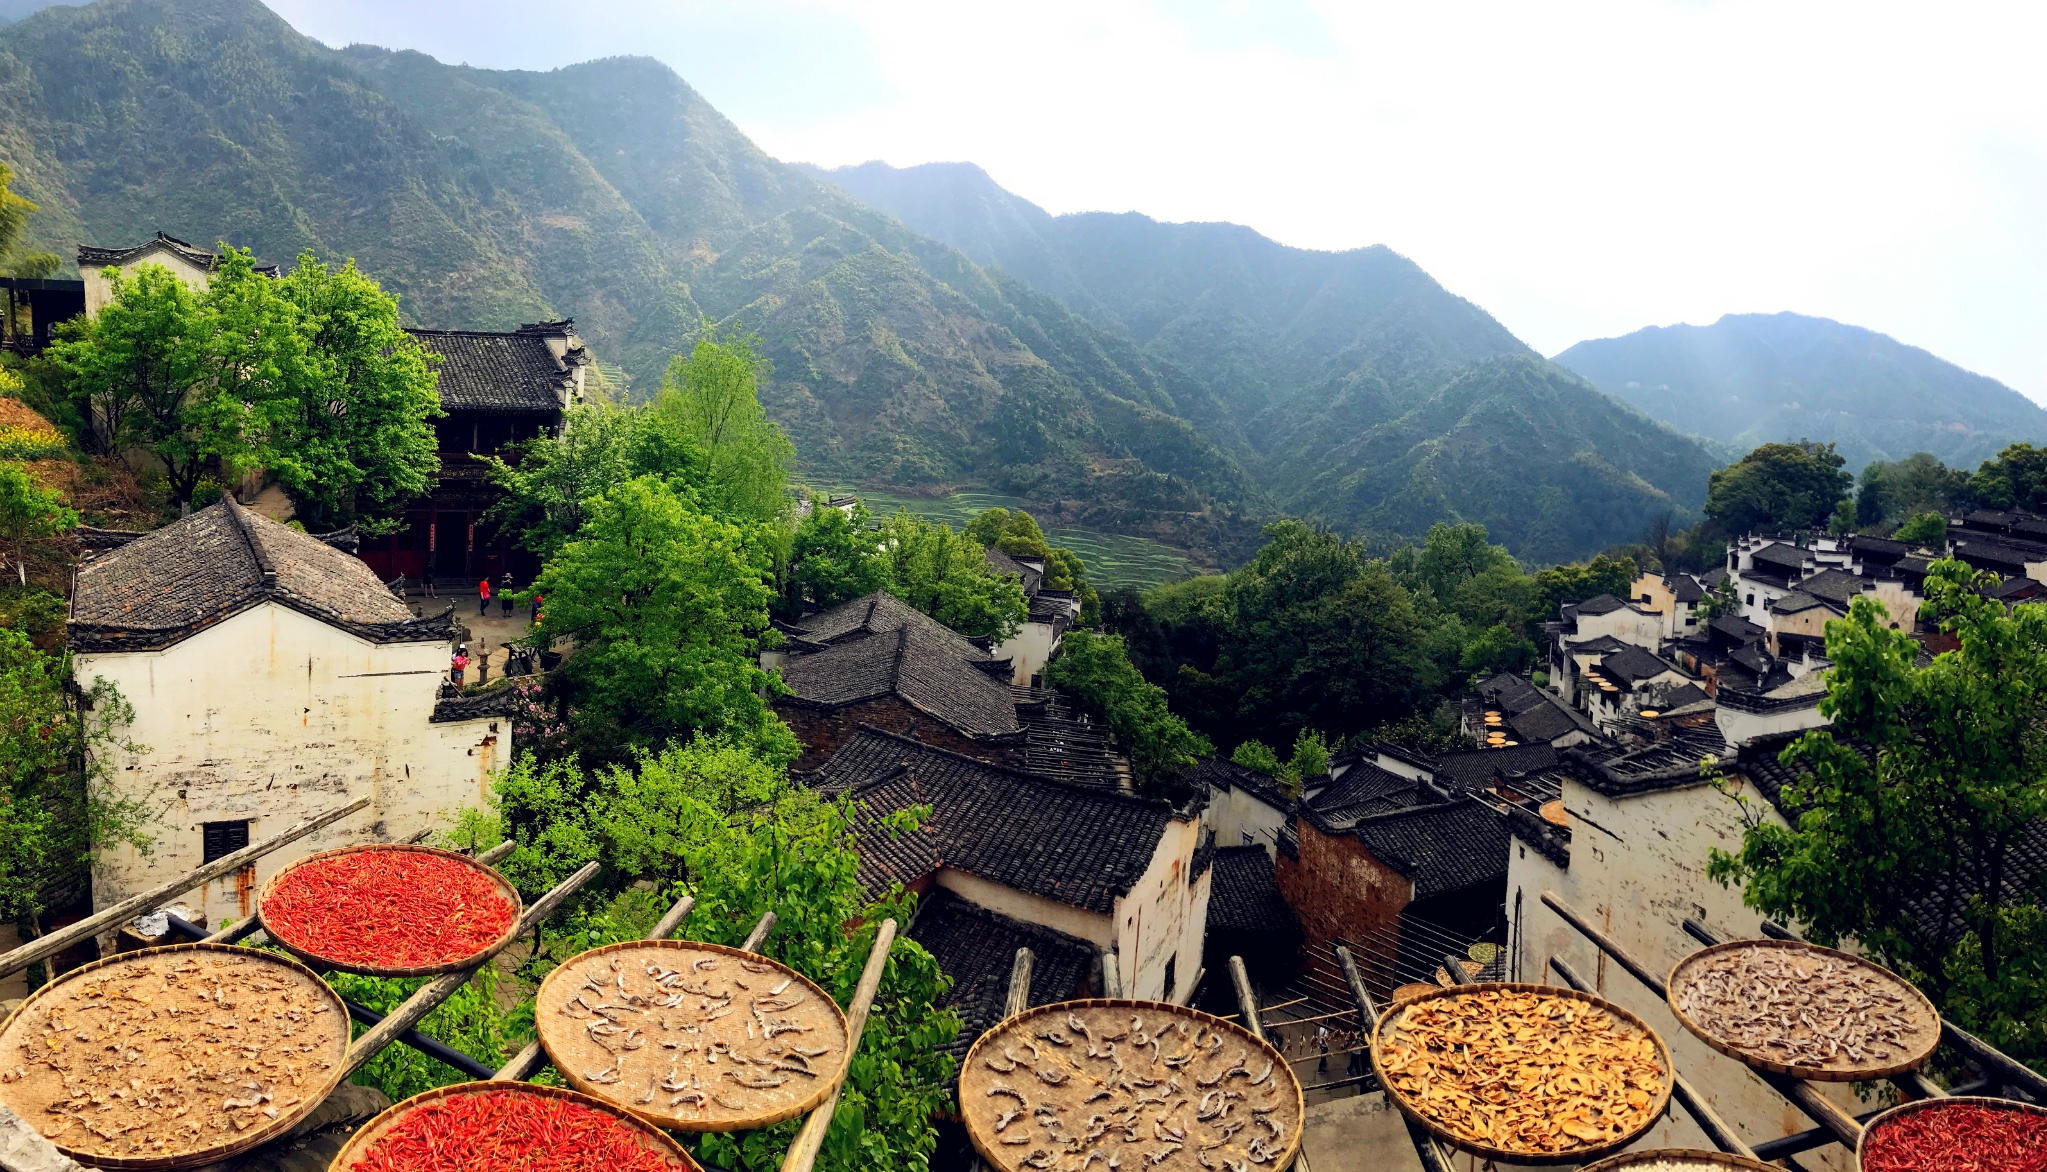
x,y
1122,873
1674,596
272,676
1245,807
977,948
1050,615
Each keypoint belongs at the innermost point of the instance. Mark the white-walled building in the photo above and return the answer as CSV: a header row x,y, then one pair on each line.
x,y
1052,613
190,263
1245,807
272,676
1093,864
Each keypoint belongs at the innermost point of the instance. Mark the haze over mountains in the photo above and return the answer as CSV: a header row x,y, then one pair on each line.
x,y
1751,378
929,329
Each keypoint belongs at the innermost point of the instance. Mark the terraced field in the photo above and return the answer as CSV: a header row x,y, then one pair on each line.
x,y
1112,558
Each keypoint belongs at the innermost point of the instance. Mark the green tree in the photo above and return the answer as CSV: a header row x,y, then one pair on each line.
x,y
353,441
668,608
14,214
1496,649
543,496
714,397
1018,535
28,511
946,575
835,557
1909,819
1096,672
1578,581
2016,479
1778,486
1720,600
1453,555
1310,761
1927,529
1257,755
658,812
1920,483
132,365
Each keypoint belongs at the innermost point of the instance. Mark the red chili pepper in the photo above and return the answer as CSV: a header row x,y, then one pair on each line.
x,y
511,1131
389,909
1958,1137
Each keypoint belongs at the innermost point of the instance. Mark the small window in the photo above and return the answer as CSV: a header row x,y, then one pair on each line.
x,y
1648,598
1751,600
1252,840
225,838
1169,975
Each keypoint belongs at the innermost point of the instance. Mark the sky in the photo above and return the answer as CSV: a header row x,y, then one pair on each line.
x,y
1580,170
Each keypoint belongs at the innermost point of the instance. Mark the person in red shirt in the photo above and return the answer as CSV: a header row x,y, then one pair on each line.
x,y
483,598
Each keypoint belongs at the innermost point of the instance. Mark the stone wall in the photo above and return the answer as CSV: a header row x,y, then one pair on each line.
x,y
1337,890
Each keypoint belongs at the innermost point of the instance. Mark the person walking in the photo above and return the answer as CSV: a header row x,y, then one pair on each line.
x,y
505,595
459,665
483,598
533,613
426,575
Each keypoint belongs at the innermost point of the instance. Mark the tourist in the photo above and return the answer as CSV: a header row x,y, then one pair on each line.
x,y
483,598
459,665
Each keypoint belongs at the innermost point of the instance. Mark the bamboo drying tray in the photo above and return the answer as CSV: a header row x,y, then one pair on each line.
x,y
358,1145
313,958
1870,1128
572,1051
30,1096
1393,1017
1701,1157
1082,1078
1914,1003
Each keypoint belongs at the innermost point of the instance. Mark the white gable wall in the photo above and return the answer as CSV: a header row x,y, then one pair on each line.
x,y
269,716
98,291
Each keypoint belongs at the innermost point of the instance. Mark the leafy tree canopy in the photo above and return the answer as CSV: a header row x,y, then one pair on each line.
x,y
713,394
1097,673
1778,486
1927,529
668,607
836,556
2016,479
946,575
1017,534
1908,822
14,214
544,495
29,511
1579,581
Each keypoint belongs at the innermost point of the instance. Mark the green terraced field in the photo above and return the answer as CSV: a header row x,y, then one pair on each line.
x,y
1113,559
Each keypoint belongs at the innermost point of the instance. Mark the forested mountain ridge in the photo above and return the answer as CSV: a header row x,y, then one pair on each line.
x,y
613,193
1371,397
1755,378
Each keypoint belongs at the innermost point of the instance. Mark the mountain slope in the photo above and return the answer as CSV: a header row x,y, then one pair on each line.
x,y
1369,395
613,193
1749,379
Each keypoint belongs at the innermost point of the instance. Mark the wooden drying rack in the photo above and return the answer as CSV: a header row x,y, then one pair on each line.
x,y
19,1139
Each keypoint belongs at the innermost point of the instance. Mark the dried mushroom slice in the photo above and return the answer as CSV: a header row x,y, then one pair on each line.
x,y
183,1055
1796,1008
1065,1087
697,1037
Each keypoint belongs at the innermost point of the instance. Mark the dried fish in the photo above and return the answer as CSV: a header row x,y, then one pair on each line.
x,y
1050,1074
1802,1007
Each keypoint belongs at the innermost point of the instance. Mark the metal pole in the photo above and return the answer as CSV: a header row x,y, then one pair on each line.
x,y
1808,1097
135,905
1425,1148
528,1061
803,1153
1694,1103
421,1003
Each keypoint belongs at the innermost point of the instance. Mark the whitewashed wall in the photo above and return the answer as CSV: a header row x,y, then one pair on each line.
x,y
270,716
1162,918
98,291
1237,816
1029,651
1638,868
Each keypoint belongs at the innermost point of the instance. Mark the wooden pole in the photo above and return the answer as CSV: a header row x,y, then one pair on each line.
x,y
528,1061
761,928
803,1153
491,857
1425,1149
443,987
1695,1104
1247,1003
149,900
1019,984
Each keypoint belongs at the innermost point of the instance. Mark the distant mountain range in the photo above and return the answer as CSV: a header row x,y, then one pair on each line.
x,y
928,328
1356,389
1753,378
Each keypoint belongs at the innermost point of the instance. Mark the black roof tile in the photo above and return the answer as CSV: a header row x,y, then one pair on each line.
x,y
1473,771
1002,563
509,373
1633,664
880,613
1441,848
927,672
1244,895
977,949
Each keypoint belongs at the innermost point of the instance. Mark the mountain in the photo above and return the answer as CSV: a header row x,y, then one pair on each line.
x,y
1752,378
1358,389
613,193
1178,381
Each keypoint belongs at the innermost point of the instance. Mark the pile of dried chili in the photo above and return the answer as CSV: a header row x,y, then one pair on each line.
x,y
1957,1137
387,909
511,1131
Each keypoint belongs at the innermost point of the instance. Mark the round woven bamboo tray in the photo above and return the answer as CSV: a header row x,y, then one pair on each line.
x,y
1513,1155
571,1051
982,1104
1412,990
1701,1157
29,1098
431,970
1870,1128
358,1145
1684,971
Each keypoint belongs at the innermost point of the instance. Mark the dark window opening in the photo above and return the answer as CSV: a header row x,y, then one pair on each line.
x,y
224,838
1169,974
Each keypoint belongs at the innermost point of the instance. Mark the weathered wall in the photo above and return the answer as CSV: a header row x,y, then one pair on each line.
x,y
1029,651
1638,868
1163,918
1738,728
270,716
824,730
1339,891
1094,927
1238,818
1626,624
98,291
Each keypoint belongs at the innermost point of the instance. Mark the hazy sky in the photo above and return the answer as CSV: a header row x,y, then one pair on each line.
x,y
1578,169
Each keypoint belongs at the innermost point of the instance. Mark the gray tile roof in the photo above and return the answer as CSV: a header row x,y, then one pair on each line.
x,y
1836,586
1796,602
1780,557
1078,845
510,373
1546,722
1600,604
1441,848
1632,664
1365,790
1217,773
880,613
1685,588
908,662
161,587
1002,563
1467,772
977,949
90,257
1244,896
